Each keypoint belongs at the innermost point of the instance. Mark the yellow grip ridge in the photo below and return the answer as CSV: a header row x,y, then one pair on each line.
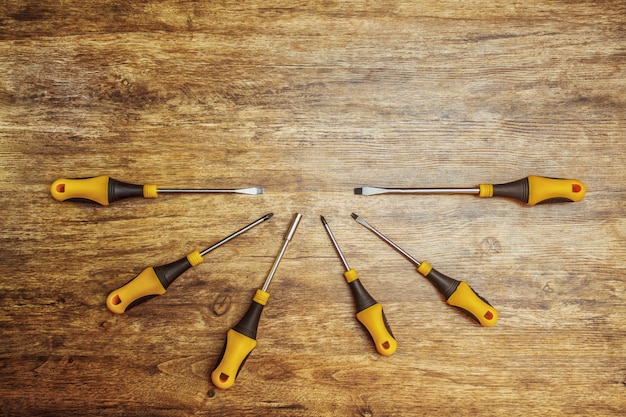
x,y
374,321
351,275
150,191
261,297
145,284
542,189
424,268
486,190
466,299
237,349
94,189
195,258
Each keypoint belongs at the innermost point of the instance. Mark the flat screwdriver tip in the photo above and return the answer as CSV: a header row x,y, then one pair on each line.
x,y
354,216
358,191
249,191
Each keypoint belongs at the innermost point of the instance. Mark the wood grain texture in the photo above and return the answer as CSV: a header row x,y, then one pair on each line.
x,y
309,100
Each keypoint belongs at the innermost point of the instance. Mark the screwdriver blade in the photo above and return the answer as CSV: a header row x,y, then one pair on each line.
x,y
335,244
237,233
248,191
290,233
376,190
385,239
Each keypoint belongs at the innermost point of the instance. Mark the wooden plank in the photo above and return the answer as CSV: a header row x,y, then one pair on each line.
x,y
309,100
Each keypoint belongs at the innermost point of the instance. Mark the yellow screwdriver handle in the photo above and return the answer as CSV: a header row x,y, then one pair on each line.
x,y
150,282
371,315
374,320
236,351
544,190
95,189
468,301
537,190
460,295
102,190
146,284
240,340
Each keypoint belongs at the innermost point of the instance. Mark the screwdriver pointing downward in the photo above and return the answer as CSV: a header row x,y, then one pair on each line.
x,y
530,190
105,190
154,281
457,293
369,312
241,339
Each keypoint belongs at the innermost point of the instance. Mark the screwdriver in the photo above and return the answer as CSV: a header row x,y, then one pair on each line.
x,y
241,339
154,281
530,190
369,312
457,293
105,190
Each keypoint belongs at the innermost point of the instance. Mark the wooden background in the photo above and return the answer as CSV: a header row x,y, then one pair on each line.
x,y
309,100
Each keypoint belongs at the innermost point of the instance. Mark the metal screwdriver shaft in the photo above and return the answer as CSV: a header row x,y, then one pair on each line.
x,y
237,233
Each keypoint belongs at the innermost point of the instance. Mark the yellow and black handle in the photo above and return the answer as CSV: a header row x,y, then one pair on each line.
x,y
102,190
149,283
460,295
371,315
537,190
240,341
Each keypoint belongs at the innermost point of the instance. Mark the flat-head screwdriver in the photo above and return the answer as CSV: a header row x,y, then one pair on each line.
x,y
457,293
241,339
530,190
369,312
154,281
105,190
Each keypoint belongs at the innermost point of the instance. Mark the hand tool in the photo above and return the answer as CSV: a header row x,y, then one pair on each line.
x,y
530,190
369,312
105,190
457,293
154,281
241,339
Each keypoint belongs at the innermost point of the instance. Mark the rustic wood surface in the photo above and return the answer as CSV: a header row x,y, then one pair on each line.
x,y
309,100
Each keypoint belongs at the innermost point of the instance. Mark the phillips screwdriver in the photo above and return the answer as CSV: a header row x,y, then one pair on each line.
x,y
457,293
154,281
369,312
105,190
241,339
530,190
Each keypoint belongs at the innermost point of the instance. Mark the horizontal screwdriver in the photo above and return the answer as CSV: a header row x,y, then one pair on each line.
x,y
369,312
530,190
241,339
105,190
154,281
457,293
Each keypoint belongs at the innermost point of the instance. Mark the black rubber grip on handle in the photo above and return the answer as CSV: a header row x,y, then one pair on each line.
x,y
249,323
362,298
446,285
518,190
119,190
168,273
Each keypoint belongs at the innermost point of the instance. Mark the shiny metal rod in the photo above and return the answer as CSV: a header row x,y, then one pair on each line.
x,y
292,230
386,239
376,190
332,238
249,191
237,233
